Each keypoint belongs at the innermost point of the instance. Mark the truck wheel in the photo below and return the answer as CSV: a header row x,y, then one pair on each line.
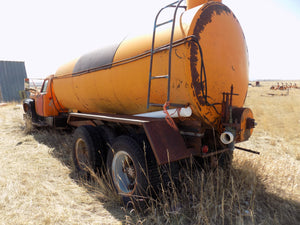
x,y
87,147
126,165
107,133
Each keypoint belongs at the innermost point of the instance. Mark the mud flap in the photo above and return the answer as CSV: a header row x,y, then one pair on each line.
x,y
166,142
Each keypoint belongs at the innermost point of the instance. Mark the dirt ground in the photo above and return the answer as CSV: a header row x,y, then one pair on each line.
x,y
38,186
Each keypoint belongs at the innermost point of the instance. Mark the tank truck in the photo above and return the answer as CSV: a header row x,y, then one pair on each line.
x,y
153,100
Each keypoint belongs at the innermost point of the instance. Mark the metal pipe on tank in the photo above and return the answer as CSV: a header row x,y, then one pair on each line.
x,y
174,113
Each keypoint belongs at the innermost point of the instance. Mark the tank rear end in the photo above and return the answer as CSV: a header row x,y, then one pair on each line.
x,y
219,61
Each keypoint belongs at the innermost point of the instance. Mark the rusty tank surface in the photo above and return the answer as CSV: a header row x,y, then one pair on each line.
x,y
209,56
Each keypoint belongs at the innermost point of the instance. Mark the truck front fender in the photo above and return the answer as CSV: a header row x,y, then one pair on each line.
x,y
29,108
28,105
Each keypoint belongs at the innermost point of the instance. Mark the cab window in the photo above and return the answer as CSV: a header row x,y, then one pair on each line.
x,y
44,87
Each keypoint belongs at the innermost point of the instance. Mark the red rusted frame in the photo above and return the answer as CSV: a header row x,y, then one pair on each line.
x,y
167,143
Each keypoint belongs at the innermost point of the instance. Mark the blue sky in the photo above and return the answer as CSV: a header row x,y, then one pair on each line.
x,y
46,34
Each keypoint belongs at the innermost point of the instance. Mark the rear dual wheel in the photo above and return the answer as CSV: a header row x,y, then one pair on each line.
x,y
133,173
128,169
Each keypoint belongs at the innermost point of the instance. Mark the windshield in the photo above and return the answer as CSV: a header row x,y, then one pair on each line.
x,y
44,87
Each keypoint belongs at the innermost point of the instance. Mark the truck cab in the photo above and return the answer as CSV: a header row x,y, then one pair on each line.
x,y
42,107
44,102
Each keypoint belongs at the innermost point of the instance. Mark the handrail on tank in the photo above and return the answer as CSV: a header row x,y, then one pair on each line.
x,y
170,48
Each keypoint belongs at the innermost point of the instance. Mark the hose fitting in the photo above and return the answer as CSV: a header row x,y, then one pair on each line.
x,y
226,137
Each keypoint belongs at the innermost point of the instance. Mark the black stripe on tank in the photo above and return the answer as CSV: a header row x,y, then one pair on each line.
x,y
96,60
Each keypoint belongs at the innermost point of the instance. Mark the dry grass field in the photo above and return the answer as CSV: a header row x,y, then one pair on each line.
x,y
38,186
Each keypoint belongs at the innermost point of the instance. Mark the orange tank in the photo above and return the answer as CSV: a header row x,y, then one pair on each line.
x,y
209,56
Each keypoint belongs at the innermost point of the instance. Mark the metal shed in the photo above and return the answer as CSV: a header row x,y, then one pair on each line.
x,y
12,75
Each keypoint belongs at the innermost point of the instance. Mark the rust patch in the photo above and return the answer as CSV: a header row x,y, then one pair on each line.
x,y
205,17
199,81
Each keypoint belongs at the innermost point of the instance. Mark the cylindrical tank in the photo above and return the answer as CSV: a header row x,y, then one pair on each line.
x,y
209,55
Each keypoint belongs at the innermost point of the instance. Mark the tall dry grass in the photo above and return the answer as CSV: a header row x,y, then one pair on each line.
x,y
38,186
239,196
36,179
259,189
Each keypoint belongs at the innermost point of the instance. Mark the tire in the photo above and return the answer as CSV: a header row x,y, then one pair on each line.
x,y
126,166
86,153
107,133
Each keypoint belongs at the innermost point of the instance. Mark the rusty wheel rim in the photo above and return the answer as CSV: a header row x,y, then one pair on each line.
x,y
124,172
81,153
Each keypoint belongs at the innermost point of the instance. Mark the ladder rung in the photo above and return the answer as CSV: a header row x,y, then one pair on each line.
x,y
160,24
159,77
156,104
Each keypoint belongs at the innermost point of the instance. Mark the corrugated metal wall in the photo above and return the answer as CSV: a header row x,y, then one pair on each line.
x,y
12,75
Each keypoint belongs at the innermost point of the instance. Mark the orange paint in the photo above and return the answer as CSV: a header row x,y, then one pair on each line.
x,y
123,88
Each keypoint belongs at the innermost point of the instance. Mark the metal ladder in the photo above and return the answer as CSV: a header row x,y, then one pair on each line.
x,y
175,5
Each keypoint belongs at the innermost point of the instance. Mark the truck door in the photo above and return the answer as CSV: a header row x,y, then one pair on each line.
x,y
44,101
